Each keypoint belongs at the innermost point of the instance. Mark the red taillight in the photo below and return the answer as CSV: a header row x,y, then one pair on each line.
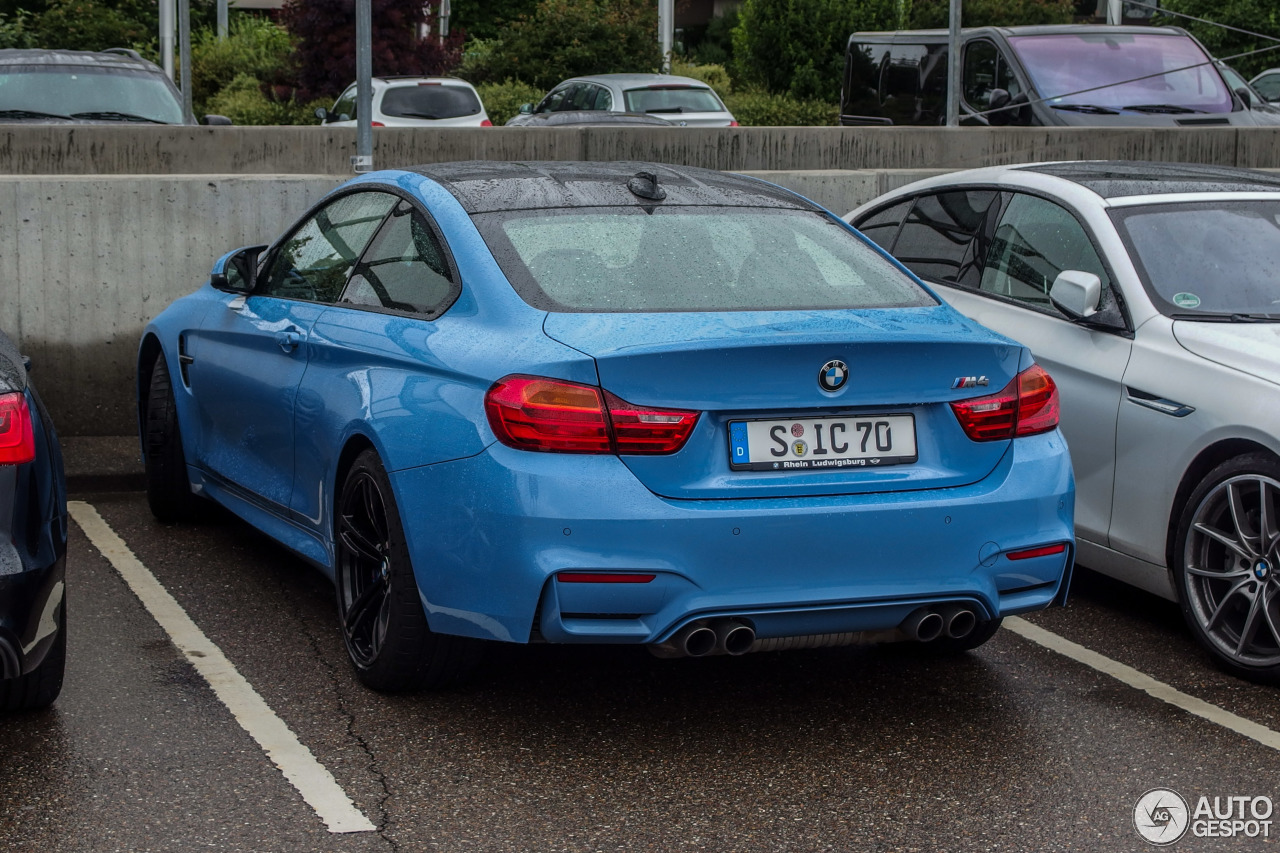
x,y
734,124
486,123
532,413
17,439
603,577
1044,551
1026,406
376,124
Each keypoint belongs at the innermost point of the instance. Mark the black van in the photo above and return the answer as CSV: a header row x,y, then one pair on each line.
x,y
1050,75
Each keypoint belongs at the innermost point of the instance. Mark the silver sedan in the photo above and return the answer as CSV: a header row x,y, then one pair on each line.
x,y
1151,293
682,101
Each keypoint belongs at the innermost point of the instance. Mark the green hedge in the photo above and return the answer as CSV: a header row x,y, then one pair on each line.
x,y
502,100
243,101
760,109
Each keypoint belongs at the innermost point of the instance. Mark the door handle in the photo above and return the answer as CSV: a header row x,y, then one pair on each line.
x,y
289,340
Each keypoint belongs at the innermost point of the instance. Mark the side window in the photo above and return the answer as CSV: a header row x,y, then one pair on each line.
x,y
900,83
314,261
344,109
553,101
584,95
882,226
985,69
404,268
602,101
937,241
570,96
1036,240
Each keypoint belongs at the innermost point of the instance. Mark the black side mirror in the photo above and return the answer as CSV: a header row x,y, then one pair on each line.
x,y
996,114
216,120
236,272
322,114
1245,96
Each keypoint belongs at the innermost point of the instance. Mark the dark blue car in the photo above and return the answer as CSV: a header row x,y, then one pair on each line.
x,y
33,543
608,403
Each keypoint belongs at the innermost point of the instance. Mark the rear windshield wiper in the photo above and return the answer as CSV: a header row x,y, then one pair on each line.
x,y
1228,318
411,114
1161,108
30,114
667,110
1087,108
109,115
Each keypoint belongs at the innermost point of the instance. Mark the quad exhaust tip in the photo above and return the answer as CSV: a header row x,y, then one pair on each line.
x,y
928,624
699,639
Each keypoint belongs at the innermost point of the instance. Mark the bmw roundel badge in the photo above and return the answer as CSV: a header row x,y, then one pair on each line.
x,y
833,375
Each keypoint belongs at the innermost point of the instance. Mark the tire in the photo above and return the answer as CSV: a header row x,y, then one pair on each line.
x,y
1227,565
40,687
384,627
168,488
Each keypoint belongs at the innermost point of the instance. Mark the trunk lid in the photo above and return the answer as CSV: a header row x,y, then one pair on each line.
x,y
764,366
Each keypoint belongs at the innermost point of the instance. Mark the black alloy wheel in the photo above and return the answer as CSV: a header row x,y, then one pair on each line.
x,y
383,624
1227,565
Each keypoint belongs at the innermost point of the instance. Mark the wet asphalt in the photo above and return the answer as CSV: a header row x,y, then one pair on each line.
x,y
1012,747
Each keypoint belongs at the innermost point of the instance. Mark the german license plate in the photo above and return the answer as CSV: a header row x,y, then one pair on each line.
x,y
854,441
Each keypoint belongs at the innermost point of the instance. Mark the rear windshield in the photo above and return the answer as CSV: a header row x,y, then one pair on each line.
x,y
83,91
691,259
672,99
430,101
1123,71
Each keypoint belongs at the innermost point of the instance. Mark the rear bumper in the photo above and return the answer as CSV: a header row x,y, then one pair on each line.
x,y
30,613
487,556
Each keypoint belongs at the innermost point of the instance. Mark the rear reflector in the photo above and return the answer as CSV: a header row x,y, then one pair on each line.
x,y
17,438
1043,551
535,413
602,577
1028,405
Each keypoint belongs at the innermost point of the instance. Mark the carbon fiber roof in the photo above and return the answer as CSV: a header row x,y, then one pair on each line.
x,y
484,186
1114,179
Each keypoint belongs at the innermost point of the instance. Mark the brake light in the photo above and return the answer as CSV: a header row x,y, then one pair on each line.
x,y
1028,405
17,437
376,124
734,124
486,123
534,413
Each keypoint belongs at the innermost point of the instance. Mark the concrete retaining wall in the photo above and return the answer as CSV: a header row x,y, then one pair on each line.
x,y
50,150
92,246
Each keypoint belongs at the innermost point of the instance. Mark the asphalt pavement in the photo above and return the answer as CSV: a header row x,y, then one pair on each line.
x,y
1016,746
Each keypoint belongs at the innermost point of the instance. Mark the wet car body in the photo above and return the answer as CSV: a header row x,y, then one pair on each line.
x,y
33,543
1167,370
651,521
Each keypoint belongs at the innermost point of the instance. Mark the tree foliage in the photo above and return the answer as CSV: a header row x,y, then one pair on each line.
x,y
484,19
1259,16
570,38
796,47
325,31
993,13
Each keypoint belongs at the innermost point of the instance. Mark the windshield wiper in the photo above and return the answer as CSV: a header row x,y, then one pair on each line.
x,y
30,114
1087,108
1161,109
1236,317
115,116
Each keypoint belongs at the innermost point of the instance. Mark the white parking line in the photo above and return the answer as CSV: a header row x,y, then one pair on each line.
x,y
315,783
1140,680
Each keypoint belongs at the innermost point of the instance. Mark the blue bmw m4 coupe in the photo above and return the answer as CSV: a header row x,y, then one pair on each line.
x,y
608,403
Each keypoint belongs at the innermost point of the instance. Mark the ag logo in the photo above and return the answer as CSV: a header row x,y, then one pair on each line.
x,y
833,375
1161,816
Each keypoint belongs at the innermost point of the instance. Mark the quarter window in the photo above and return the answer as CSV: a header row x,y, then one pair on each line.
x,y
344,109
1036,240
937,239
404,268
313,263
882,227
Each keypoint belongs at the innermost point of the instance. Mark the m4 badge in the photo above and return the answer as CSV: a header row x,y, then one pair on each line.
x,y
970,382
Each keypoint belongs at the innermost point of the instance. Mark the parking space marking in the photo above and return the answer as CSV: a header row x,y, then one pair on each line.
x,y
311,779
1141,681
